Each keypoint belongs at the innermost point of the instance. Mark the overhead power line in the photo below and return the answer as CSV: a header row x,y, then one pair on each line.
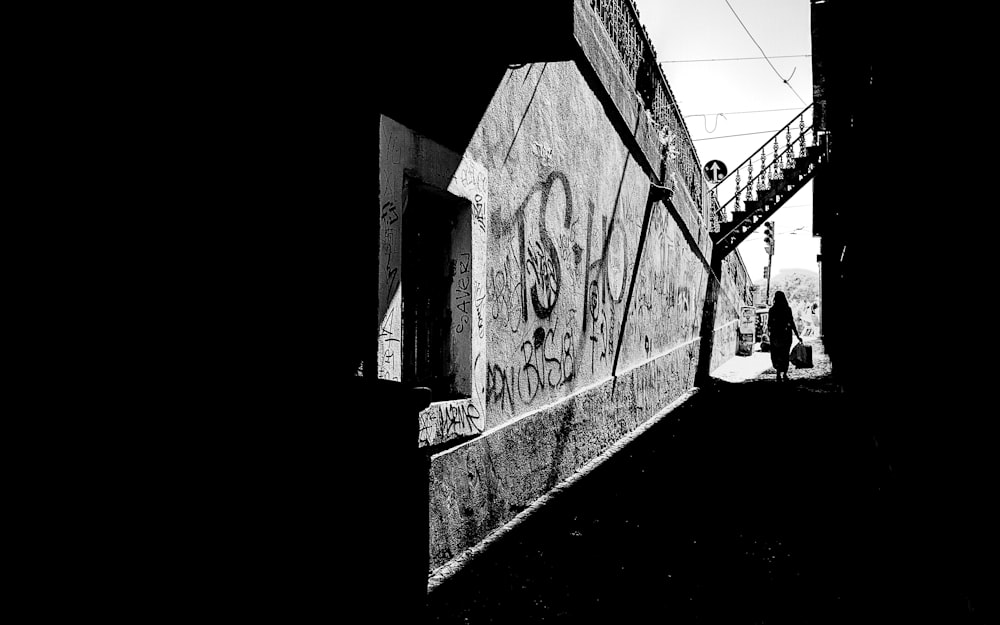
x,y
765,54
793,108
745,134
740,58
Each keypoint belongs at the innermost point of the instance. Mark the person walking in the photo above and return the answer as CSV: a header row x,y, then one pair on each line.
x,y
780,326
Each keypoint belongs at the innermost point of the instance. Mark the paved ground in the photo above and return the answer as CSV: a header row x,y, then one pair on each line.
x,y
743,368
754,502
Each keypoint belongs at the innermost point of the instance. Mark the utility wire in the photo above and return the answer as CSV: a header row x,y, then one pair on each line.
x,y
745,134
765,54
716,126
723,115
741,58
793,108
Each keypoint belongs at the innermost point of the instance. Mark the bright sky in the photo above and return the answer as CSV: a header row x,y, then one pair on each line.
x,y
683,30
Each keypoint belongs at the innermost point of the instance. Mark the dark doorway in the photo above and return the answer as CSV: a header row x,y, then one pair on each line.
x,y
436,271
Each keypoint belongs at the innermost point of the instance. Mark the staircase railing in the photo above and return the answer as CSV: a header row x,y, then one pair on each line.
x,y
788,143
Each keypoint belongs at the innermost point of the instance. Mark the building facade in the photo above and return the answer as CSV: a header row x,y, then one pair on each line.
x,y
535,280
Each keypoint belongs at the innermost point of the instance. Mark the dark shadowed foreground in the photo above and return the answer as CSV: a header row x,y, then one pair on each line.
x,y
754,502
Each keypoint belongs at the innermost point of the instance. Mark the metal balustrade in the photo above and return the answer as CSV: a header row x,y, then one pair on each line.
x,y
777,154
621,21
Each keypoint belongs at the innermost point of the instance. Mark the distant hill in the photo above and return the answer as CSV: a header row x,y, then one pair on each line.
x,y
799,285
807,272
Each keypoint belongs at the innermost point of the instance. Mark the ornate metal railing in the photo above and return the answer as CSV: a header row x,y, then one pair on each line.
x,y
714,211
621,21
742,184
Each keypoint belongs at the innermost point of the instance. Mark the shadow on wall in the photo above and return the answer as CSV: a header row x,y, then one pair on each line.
x,y
440,79
449,119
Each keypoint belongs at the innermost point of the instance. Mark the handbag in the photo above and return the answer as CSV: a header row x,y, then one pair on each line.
x,y
802,356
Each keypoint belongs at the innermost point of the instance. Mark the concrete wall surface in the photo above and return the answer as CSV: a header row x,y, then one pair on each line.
x,y
557,202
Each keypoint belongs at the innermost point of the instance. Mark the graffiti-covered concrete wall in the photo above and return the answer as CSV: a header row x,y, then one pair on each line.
x,y
733,294
559,371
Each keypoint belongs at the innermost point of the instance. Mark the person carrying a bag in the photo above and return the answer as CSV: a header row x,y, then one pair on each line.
x,y
780,326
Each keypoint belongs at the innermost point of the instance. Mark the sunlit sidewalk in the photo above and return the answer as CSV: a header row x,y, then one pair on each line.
x,y
743,368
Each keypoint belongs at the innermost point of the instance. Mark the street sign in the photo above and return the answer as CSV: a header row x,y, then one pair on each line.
x,y
715,171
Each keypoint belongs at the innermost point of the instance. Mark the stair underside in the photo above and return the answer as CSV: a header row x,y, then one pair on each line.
x,y
768,200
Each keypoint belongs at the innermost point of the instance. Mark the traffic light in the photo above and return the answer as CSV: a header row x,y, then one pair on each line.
x,y
767,272
769,237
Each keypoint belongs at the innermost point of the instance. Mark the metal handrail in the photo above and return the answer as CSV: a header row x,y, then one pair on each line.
x,y
764,145
755,184
735,231
767,168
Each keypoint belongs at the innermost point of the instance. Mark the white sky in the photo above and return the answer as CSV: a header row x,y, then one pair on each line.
x,y
708,29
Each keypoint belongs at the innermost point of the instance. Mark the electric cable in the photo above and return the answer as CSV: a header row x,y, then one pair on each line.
x,y
791,108
745,134
741,58
716,126
765,55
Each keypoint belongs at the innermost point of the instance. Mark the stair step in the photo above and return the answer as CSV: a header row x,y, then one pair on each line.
x,y
811,156
773,192
725,229
776,187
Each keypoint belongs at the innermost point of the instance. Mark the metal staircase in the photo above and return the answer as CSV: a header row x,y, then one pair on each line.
x,y
787,161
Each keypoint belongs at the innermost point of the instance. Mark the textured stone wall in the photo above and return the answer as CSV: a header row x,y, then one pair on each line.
x,y
558,202
556,179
